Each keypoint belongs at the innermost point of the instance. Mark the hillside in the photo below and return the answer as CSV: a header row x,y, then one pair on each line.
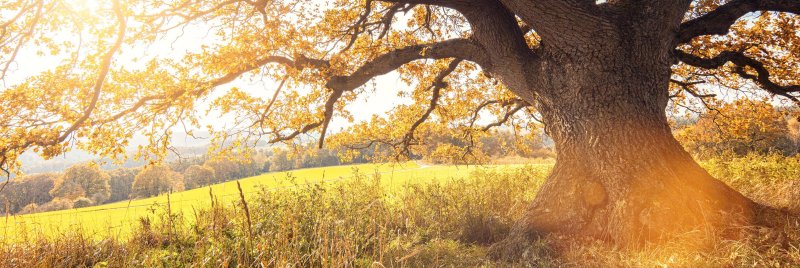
x,y
407,215
117,219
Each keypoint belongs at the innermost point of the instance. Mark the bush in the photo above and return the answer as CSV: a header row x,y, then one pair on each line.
x,y
768,179
55,204
30,208
82,203
741,127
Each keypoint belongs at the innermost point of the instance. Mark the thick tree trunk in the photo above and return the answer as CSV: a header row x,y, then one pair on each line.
x,y
620,175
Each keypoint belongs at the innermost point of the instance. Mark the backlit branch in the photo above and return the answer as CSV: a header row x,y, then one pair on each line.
x,y
105,65
436,88
299,63
453,48
518,105
688,87
720,20
364,25
506,116
402,147
741,62
477,111
21,38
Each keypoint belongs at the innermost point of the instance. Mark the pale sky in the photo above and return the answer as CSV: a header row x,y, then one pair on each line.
x,y
189,39
176,44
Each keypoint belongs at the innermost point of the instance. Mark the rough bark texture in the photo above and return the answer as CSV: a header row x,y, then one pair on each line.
x,y
620,175
600,78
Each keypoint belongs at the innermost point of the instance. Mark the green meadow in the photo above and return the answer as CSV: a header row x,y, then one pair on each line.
x,y
380,215
117,220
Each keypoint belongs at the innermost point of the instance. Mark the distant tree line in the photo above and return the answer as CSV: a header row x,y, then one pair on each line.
x,y
748,126
86,184
741,127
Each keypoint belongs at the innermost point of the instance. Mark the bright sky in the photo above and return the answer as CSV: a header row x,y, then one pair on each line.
x,y
179,42
189,39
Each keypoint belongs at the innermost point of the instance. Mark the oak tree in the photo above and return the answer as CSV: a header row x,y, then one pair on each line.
x,y
83,180
155,180
28,190
121,181
198,176
224,169
598,74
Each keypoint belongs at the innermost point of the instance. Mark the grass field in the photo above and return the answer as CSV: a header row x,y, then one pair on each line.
x,y
406,215
117,219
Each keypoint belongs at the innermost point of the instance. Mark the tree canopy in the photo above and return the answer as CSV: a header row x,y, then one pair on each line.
x,y
155,180
85,180
740,127
320,57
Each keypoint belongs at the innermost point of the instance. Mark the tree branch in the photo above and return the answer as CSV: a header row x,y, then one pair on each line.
x,y
561,22
506,117
687,86
720,20
105,66
437,85
483,105
453,48
741,61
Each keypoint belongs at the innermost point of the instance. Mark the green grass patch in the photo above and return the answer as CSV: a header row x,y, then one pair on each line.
x,y
401,216
117,220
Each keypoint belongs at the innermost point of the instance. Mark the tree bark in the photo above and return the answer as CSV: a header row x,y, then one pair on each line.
x,y
620,175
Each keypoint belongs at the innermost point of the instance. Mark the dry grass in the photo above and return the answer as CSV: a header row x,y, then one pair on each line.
x,y
450,223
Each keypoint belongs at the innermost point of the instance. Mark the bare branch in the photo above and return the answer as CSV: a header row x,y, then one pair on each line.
x,y
485,104
294,134
687,87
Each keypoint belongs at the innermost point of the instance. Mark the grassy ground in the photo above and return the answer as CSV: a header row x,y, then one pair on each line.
x,y
117,220
417,216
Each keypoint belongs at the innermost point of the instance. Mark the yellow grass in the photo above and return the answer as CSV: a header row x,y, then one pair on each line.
x,y
117,219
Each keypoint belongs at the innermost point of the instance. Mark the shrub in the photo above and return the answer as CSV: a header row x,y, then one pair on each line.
x,y
30,208
55,204
82,203
768,179
749,126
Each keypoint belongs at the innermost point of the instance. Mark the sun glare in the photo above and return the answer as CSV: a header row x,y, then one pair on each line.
x,y
85,6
